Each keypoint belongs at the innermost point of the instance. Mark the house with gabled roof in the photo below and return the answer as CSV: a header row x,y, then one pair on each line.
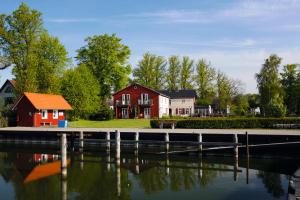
x,y
182,102
35,109
7,92
137,101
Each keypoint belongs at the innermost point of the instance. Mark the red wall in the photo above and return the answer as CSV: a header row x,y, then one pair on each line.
x,y
24,107
135,95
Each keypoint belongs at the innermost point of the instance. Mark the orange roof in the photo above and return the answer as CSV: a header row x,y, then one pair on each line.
x,y
47,101
44,170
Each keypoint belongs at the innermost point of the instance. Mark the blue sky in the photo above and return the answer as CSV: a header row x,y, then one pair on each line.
x,y
235,36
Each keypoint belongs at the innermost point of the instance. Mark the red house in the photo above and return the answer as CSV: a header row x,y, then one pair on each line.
x,y
137,101
35,109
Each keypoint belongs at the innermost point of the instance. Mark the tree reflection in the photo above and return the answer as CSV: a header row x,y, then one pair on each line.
x,y
272,183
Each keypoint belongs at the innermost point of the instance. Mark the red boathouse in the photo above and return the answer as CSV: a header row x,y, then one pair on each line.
x,y
34,109
137,101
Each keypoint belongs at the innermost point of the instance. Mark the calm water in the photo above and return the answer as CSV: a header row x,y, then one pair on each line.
x,y
34,175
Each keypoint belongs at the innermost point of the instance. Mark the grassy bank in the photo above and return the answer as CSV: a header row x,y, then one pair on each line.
x,y
116,123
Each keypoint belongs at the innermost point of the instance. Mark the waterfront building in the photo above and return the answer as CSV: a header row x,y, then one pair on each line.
x,y
137,101
7,92
34,109
182,102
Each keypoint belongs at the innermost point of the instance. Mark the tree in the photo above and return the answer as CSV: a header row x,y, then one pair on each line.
x,y
224,91
38,59
18,35
204,77
241,104
173,73
270,89
81,89
107,58
150,71
289,82
51,62
186,73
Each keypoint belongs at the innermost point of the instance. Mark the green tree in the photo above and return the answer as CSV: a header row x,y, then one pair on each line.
x,y
150,71
51,62
289,83
81,89
224,91
18,35
173,74
270,89
38,59
241,104
204,78
107,58
186,73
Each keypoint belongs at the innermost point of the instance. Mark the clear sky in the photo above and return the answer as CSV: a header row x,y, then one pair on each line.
x,y
235,36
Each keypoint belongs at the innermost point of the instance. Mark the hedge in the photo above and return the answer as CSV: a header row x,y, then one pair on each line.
x,y
225,123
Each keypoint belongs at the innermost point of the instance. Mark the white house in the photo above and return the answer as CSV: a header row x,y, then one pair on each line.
x,y
7,94
182,102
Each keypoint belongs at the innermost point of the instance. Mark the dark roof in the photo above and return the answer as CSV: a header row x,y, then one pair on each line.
x,y
177,94
11,82
133,84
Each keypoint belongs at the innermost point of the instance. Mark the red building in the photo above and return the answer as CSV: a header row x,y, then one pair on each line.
x,y
137,101
35,109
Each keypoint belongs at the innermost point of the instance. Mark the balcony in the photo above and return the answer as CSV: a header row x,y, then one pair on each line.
x,y
148,102
122,103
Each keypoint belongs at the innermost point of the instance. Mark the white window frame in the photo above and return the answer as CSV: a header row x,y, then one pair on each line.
x,y
46,114
56,114
187,111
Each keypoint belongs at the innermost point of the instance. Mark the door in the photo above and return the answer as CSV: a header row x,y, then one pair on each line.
x,y
124,113
147,113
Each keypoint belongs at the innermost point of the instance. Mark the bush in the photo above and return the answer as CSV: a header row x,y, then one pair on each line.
x,y
227,123
105,113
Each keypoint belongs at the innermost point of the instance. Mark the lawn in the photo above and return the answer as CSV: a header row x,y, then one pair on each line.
x,y
116,123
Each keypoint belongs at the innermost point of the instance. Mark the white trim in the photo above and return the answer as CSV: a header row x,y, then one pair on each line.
x,y
56,114
46,114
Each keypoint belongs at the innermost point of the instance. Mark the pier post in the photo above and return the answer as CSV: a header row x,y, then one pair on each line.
x,y
108,141
173,125
118,146
247,149
136,139
64,155
236,148
167,140
247,144
81,141
200,142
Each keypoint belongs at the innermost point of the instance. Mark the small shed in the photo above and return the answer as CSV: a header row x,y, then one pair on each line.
x,y
34,109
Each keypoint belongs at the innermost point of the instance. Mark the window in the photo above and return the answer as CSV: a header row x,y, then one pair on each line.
x,y
55,114
8,90
187,111
44,114
183,100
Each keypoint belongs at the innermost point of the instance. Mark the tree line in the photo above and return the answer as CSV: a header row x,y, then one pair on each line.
x,y
40,63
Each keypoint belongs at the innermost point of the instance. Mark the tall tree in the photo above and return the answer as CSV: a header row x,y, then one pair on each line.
x,y
186,73
289,82
38,59
107,58
18,35
270,89
81,89
204,78
173,74
50,63
150,71
224,91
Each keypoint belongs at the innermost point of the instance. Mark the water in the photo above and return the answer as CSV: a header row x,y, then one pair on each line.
x,y
35,174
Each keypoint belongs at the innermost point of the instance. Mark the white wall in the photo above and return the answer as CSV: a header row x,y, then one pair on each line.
x,y
163,105
182,103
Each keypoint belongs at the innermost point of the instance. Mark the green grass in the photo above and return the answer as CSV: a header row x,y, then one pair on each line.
x,y
116,123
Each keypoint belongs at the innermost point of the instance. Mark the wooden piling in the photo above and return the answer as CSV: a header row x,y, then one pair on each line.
x,y
118,146
108,141
167,140
81,141
64,155
236,148
200,142
247,143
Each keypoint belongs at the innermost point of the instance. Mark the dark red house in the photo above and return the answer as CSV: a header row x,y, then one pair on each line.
x,y
137,101
35,109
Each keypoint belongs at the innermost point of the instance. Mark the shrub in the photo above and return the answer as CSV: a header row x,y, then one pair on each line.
x,y
105,113
226,123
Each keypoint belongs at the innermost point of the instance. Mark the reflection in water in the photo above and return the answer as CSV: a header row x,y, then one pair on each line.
x,y
145,176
